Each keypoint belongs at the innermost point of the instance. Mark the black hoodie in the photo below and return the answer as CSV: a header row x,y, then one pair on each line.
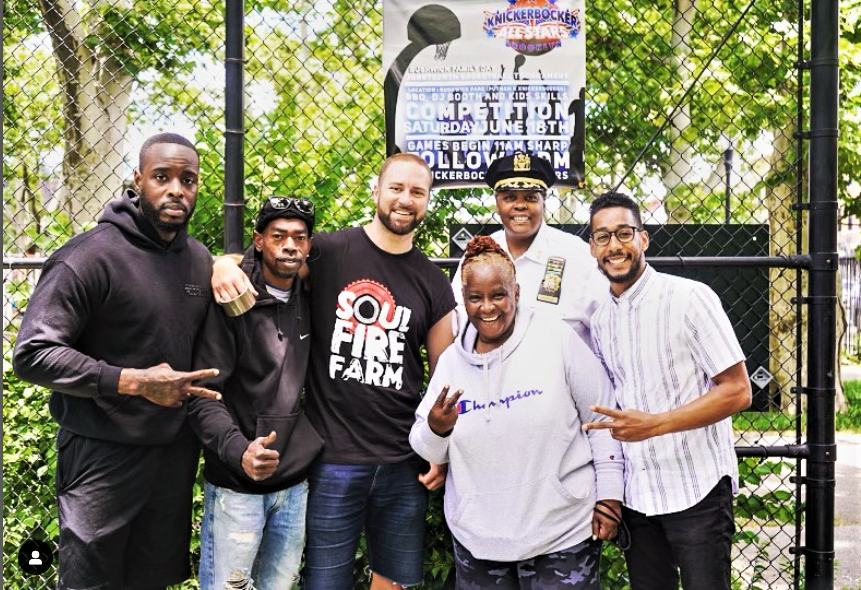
x,y
114,297
262,357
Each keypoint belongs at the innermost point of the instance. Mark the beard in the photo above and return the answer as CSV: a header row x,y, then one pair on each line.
x,y
399,228
151,214
276,271
633,270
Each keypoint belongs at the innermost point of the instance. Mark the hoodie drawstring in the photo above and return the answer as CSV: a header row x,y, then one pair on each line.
x,y
488,389
485,373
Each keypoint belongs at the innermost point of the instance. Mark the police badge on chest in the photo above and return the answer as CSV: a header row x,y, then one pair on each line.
x,y
550,289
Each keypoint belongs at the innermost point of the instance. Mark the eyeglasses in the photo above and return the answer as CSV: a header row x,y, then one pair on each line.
x,y
624,234
301,205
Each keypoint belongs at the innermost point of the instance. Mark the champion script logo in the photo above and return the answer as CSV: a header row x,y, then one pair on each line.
x,y
465,406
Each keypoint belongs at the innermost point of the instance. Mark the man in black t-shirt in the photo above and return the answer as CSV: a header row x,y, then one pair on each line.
x,y
376,299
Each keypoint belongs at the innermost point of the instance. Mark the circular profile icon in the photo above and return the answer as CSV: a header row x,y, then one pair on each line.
x,y
35,557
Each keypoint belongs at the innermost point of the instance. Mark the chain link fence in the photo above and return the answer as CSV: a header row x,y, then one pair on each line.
x,y
850,324
849,319
703,134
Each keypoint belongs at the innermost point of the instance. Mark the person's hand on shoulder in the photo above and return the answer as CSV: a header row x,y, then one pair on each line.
x,y
228,280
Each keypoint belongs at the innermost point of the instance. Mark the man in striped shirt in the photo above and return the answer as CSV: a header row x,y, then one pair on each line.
x,y
678,375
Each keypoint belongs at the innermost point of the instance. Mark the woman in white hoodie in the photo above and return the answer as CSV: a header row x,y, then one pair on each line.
x,y
523,480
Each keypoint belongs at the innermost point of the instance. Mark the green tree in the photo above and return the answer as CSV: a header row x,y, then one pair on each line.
x,y
849,142
81,97
29,132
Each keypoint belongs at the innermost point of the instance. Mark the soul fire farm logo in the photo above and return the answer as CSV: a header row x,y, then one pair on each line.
x,y
533,27
369,336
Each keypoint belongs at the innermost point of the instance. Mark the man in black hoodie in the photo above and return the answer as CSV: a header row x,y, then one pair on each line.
x,y
257,443
110,329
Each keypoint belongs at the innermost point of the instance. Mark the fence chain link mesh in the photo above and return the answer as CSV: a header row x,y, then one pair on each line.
x,y
86,82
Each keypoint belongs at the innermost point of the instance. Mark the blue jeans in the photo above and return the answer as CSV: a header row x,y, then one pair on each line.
x,y
388,500
254,535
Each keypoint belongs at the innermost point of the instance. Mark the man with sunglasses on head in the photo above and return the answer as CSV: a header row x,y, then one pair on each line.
x,y
375,301
555,272
678,375
257,443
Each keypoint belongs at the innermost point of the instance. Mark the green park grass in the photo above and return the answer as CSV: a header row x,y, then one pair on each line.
x,y
845,421
850,420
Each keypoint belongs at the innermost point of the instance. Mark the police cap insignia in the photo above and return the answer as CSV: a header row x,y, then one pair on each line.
x,y
521,162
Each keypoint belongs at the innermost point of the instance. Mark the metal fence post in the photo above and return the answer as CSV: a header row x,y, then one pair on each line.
x,y
822,325
234,134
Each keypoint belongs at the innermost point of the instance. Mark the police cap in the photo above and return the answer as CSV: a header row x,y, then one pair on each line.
x,y
520,171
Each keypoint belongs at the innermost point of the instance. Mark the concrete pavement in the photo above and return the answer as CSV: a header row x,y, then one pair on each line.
x,y
850,372
847,512
847,501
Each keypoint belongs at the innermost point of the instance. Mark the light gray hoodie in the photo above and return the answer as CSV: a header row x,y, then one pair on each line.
x,y
523,476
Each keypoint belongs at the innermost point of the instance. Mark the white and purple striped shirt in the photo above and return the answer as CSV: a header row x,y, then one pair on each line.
x,y
661,342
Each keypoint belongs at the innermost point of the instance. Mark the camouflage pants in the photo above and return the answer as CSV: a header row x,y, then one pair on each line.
x,y
575,568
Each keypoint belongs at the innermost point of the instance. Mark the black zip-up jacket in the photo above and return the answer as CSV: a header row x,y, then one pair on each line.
x,y
114,297
261,356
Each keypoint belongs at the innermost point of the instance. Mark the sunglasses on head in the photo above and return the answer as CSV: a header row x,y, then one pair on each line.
x,y
302,205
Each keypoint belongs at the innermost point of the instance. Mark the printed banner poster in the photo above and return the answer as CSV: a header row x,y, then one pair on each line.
x,y
468,81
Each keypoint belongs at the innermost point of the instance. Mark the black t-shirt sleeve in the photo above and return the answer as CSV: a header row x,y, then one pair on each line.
x,y
322,243
442,296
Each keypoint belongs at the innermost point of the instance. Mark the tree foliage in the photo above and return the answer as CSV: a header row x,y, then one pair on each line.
x,y
314,124
743,89
849,144
29,507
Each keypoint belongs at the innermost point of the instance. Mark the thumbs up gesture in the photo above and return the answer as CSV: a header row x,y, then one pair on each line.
x,y
258,462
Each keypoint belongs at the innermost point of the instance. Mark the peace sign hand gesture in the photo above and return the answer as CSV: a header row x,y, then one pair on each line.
x,y
443,414
164,386
626,425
